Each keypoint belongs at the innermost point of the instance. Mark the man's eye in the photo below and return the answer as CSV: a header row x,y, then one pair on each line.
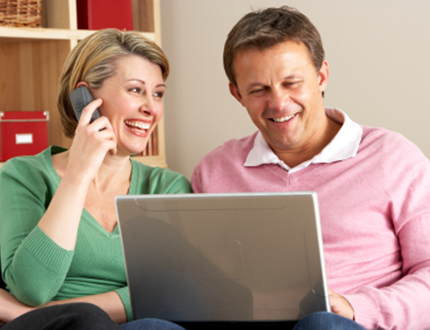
x,y
292,83
255,91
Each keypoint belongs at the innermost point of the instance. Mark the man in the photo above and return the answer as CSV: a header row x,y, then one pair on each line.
x,y
373,185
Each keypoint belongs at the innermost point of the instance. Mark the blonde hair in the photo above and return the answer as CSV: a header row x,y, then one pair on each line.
x,y
94,59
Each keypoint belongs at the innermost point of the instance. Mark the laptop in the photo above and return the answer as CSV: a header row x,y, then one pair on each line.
x,y
236,257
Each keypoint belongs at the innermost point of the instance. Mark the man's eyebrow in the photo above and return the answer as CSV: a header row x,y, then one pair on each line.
x,y
293,76
255,85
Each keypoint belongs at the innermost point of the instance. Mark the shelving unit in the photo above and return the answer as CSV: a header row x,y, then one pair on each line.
x,y
31,60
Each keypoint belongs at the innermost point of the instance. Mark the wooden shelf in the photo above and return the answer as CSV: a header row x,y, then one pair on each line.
x,y
17,34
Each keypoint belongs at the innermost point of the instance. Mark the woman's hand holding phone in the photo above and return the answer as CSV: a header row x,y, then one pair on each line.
x,y
92,141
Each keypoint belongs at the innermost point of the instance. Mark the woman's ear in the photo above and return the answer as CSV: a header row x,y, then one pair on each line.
x,y
81,83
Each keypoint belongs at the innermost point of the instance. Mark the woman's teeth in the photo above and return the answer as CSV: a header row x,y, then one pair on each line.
x,y
137,124
281,120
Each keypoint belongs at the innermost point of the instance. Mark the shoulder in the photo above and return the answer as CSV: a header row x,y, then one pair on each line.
x,y
232,151
390,145
222,164
27,166
29,176
157,180
393,159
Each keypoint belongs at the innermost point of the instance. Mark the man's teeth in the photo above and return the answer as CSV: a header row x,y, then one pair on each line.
x,y
281,120
137,124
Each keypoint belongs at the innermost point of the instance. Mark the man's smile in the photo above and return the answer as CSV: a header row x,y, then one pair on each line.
x,y
283,119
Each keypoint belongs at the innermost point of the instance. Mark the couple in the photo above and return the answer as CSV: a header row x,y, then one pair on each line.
x,y
60,245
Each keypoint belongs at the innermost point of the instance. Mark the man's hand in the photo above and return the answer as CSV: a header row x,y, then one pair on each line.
x,y
10,307
340,306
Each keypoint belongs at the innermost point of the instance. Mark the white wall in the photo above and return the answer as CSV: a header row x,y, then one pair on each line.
x,y
378,53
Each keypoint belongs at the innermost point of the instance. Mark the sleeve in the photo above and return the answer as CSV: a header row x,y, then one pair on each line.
x,y
196,180
404,304
180,185
164,181
124,294
33,266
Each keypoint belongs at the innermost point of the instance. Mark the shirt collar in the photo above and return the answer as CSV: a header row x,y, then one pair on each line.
x,y
343,146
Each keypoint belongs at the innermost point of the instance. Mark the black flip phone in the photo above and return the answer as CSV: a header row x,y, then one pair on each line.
x,y
80,98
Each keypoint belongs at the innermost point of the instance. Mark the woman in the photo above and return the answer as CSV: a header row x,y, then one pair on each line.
x,y
59,235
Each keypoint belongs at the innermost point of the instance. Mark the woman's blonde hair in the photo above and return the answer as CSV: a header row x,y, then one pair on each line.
x,y
94,59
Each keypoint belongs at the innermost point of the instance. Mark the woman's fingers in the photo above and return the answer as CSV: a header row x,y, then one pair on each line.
x,y
100,124
91,143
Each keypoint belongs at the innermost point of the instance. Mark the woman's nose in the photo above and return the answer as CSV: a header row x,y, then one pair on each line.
x,y
148,106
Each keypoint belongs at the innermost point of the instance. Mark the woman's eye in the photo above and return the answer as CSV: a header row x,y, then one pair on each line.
x,y
135,90
158,94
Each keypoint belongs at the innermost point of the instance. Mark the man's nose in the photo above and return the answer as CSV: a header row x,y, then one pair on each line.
x,y
278,99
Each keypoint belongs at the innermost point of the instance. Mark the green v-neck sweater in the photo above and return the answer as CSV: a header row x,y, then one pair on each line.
x,y
37,270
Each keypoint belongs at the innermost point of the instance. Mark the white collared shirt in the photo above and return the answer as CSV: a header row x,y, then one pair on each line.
x,y
343,146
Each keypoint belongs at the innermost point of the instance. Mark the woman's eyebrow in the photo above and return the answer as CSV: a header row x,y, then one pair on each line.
x,y
143,82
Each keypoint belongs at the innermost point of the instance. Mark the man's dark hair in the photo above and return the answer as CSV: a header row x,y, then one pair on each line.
x,y
266,28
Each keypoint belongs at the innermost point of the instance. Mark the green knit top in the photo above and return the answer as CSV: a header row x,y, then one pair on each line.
x,y
37,270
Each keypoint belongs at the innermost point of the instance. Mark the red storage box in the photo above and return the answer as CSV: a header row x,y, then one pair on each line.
x,y
23,133
101,14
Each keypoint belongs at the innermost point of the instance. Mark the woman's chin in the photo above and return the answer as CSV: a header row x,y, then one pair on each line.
x,y
136,151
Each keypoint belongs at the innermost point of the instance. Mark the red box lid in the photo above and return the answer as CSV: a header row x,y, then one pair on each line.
x,y
24,116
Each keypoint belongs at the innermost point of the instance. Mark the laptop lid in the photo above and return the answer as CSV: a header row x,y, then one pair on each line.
x,y
223,257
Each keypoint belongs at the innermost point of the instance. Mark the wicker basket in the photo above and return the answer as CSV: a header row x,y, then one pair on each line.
x,y
23,13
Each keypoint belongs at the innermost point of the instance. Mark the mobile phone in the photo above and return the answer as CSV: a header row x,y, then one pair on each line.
x,y
80,98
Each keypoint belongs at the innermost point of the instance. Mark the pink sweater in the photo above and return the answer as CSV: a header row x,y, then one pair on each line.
x,y
375,214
